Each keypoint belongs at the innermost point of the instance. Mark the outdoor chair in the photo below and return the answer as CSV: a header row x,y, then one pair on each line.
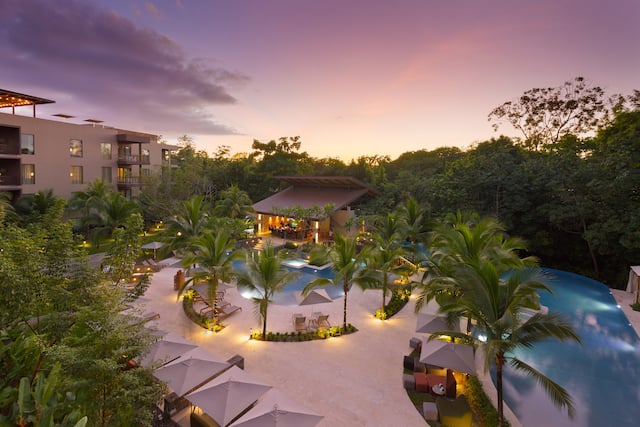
x,y
323,321
227,311
299,323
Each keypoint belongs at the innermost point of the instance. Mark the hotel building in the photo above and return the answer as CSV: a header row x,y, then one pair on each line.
x,y
39,154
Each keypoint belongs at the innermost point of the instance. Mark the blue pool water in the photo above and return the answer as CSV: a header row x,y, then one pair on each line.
x,y
305,274
602,375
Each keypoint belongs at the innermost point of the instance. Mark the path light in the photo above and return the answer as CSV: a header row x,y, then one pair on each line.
x,y
250,333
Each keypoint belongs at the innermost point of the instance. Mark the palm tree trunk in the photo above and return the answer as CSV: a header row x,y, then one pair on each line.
x,y
499,363
345,288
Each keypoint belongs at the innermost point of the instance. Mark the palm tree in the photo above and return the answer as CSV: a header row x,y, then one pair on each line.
x,y
413,221
383,260
188,225
347,264
110,213
497,306
214,254
234,203
459,241
265,277
385,256
87,201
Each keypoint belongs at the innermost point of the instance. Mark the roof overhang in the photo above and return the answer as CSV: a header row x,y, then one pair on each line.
x,y
310,191
15,99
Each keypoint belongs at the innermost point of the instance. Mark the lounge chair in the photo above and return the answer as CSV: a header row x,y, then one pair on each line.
x,y
207,310
299,322
227,311
323,321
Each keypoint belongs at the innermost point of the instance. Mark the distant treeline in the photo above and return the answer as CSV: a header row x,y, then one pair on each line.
x,y
572,192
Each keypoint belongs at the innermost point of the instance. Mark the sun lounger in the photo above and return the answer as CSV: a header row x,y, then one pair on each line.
x,y
323,321
299,322
227,311
207,310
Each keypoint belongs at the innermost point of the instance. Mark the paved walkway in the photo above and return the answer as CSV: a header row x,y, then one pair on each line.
x,y
354,380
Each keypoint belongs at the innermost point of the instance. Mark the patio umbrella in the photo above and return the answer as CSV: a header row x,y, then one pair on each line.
x,y
228,395
276,409
203,288
458,357
190,370
315,296
153,245
429,323
166,349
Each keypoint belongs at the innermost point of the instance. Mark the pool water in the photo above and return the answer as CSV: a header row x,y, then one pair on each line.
x,y
305,274
602,375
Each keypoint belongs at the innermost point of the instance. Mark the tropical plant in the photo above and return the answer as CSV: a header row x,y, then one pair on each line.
x,y
233,203
188,225
476,272
213,253
264,276
346,263
108,214
84,202
498,306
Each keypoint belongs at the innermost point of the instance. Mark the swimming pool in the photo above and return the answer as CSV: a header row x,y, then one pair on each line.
x,y
602,375
305,274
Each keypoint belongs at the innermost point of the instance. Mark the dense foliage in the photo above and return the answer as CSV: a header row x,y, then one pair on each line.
x,y
573,197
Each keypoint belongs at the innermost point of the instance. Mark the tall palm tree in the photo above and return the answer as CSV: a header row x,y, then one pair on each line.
x,y
265,277
413,224
214,254
385,256
497,306
347,264
188,224
234,203
462,240
383,260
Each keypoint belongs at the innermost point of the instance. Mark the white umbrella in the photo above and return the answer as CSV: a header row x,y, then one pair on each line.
x,y
429,323
277,409
203,288
190,370
166,349
228,395
458,357
315,296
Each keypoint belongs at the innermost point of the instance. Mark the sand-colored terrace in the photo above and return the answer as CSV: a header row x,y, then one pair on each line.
x,y
353,380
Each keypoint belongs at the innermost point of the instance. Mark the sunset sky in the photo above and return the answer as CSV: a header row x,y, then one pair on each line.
x,y
350,77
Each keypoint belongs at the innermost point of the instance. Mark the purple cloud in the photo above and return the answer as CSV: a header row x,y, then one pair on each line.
x,y
76,47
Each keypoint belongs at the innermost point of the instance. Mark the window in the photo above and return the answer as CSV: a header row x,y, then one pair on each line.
x,y
146,172
26,144
105,150
75,147
106,175
166,155
28,173
76,174
146,156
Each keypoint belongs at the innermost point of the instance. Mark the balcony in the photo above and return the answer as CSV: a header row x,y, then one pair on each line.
x,y
131,181
133,160
9,182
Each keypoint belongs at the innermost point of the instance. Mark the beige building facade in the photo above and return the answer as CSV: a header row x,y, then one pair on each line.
x,y
39,154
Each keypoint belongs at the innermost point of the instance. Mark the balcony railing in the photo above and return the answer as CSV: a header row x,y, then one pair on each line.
x,y
134,160
130,181
9,180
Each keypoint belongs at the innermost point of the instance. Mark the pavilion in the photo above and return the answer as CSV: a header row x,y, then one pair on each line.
x,y
312,207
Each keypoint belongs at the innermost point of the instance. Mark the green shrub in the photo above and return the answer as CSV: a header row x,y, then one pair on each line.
x,y
483,409
636,306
